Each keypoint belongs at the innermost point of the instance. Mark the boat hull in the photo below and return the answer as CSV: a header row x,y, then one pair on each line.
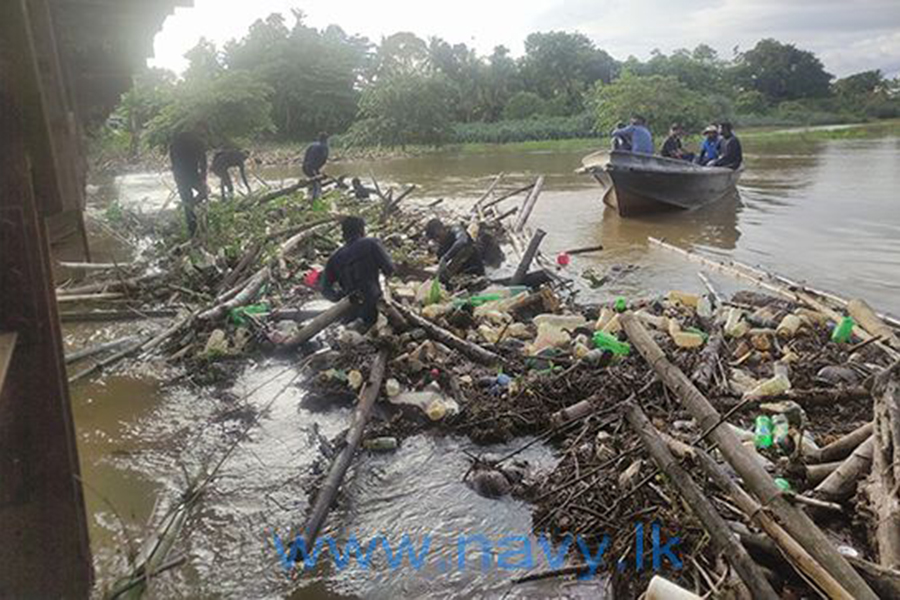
x,y
639,184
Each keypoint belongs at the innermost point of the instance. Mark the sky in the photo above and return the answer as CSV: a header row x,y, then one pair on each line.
x,y
847,35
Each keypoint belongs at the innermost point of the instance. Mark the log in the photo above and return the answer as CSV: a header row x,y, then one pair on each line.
x,y
863,314
108,361
723,539
245,295
528,257
793,551
89,266
584,250
576,411
98,349
709,360
321,321
113,315
798,524
816,474
439,334
341,463
883,483
841,448
528,205
477,208
841,484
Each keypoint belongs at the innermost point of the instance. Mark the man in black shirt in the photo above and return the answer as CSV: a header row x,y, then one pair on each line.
x,y
455,248
355,268
227,159
672,147
187,151
314,159
731,155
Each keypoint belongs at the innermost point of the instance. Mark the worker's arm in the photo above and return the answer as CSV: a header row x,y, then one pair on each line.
x,y
460,240
329,281
385,264
623,131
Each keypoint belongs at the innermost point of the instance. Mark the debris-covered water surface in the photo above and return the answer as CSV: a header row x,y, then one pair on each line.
x,y
723,443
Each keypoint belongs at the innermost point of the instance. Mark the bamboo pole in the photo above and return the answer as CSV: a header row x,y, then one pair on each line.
x,y
507,196
841,484
797,523
842,447
472,351
528,257
723,540
528,205
477,206
97,349
245,295
341,463
321,321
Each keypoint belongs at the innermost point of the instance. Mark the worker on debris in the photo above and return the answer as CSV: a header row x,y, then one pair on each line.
x,y
731,154
638,134
672,147
314,159
355,268
709,150
457,251
361,192
222,161
187,152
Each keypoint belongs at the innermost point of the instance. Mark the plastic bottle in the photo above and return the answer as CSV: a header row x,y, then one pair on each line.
x,y
684,339
770,387
704,308
781,433
763,431
381,444
844,331
735,325
783,484
607,341
392,387
683,298
789,326
621,304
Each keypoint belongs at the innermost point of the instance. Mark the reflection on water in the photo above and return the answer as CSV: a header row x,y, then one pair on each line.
x,y
824,212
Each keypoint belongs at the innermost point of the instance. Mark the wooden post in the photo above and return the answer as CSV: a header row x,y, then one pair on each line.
x,y
341,463
528,205
723,540
528,257
797,523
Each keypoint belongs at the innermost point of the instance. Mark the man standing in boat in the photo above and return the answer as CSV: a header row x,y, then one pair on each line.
x,y
637,132
672,147
731,154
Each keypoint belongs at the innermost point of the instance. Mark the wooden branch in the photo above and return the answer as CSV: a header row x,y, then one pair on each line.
x,y
507,196
863,314
477,208
329,488
842,447
472,351
883,483
709,361
528,257
793,551
98,349
841,484
798,524
245,295
723,540
320,322
584,250
528,205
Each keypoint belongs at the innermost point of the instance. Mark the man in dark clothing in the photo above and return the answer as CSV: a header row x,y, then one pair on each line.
x,y
360,191
314,159
457,251
227,159
355,268
187,151
731,154
672,147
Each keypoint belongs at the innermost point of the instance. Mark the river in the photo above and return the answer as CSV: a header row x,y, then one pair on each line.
x,y
823,212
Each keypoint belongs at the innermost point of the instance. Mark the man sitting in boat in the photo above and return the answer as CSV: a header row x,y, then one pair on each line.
x,y
730,153
672,147
709,150
637,132
620,142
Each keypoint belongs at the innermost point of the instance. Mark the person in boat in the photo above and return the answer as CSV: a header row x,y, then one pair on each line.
x,y
187,152
731,155
672,147
222,161
709,150
355,268
361,192
640,137
314,159
620,142
457,251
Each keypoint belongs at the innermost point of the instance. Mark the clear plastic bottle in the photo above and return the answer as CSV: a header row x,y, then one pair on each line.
x,y
781,433
770,387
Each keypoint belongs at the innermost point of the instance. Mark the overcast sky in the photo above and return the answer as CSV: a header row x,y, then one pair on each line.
x,y
847,35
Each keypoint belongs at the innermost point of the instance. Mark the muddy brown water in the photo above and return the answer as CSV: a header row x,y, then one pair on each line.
x,y
824,212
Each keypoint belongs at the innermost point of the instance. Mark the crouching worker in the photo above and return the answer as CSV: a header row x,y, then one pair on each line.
x,y
222,161
354,269
456,250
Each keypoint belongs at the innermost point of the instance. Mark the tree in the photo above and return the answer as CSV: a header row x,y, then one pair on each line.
x,y
404,108
203,61
659,99
151,91
781,72
700,69
524,105
565,64
233,105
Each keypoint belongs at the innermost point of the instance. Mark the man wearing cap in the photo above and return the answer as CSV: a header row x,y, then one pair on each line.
x,y
709,149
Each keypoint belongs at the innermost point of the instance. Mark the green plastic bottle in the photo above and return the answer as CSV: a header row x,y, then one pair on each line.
x,y
607,341
621,304
783,484
844,331
763,431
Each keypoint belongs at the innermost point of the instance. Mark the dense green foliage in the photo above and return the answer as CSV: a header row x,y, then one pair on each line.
x,y
292,81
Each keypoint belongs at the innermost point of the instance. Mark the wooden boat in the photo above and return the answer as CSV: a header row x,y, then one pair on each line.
x,y
636,184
